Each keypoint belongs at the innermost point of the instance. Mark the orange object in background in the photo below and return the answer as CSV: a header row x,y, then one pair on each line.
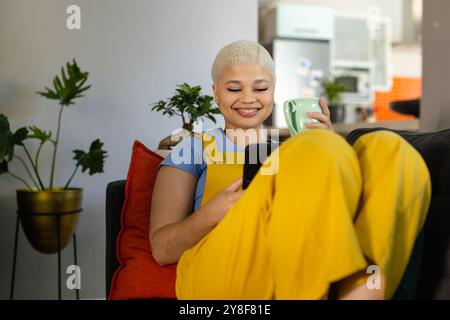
x,y
402,89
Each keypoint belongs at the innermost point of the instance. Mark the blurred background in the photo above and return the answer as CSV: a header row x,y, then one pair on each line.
x,y
371,48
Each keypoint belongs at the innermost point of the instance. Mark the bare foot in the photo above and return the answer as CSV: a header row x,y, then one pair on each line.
x,y
362,290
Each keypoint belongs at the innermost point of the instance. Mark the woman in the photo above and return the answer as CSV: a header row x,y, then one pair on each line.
x,y
330,212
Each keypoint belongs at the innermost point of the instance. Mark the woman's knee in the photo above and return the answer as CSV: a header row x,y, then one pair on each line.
x,y
315,143
383,139
387,146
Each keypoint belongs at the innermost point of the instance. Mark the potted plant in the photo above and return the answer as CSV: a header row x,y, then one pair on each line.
x,y
44,209
190,105
333,90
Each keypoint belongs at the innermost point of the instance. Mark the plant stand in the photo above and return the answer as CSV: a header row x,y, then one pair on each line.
x,y
16,242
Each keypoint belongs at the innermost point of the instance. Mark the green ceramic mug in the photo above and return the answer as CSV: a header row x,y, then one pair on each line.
x,y
296,113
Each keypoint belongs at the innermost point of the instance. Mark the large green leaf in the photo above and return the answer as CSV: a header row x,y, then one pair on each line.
x,y
71,86
92,160
6,140
20,135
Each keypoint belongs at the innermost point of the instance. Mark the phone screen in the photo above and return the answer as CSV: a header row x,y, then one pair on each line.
x,y
255,155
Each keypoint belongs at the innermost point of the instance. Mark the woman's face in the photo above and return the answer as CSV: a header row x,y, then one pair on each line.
x,y
245,96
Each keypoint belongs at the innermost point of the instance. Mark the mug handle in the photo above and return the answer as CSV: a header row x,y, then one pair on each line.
x,y
289,113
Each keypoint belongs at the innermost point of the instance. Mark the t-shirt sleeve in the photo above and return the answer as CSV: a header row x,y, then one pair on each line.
x,y
187,155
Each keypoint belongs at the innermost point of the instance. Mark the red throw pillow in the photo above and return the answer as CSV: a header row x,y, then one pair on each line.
x,y
139,276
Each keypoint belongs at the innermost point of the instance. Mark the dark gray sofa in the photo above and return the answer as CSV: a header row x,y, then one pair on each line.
x,y
428,272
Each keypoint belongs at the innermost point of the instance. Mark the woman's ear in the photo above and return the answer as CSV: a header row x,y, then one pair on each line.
x,y
214,89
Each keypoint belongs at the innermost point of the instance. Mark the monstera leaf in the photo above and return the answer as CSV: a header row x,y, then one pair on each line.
x,y
20,135
40,135
92,160
67,87
70,87
6,140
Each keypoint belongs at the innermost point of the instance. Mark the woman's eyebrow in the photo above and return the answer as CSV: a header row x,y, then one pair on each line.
x,y
239,82
233,81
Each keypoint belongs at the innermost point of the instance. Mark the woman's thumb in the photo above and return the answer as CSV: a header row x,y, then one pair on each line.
x,y
235,185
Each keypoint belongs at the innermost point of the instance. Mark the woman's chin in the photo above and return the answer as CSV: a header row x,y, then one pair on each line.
x,y
249,124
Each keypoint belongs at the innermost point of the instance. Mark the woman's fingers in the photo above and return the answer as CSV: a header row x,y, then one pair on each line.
x,y
323,118
318,116
313,125
237,195
235,185
324,107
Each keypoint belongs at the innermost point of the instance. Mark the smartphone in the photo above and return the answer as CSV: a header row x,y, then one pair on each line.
x,y
255,155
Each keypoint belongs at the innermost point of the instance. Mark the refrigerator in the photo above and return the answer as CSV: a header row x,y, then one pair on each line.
x,y
300,66
298,38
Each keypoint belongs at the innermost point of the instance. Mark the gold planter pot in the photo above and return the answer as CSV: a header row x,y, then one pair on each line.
x,y
40,213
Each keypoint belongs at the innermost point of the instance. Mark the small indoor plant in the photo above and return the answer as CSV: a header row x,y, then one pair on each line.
x,y
333,90
190,105
43,207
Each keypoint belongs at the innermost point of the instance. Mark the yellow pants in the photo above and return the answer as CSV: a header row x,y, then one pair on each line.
x,y
330,211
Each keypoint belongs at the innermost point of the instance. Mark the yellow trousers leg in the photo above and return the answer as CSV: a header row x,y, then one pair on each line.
x,y
393,207
294,233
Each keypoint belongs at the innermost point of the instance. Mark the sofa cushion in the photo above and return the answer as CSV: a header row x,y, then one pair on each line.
x,y
139,276
434,279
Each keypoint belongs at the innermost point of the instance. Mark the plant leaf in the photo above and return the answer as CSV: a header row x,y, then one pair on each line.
x,y
6,140
92,160
333,90
20,135
69,89
39,134
190,101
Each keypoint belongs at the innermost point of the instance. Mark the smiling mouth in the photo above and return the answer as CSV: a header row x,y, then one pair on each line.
x,y
247,112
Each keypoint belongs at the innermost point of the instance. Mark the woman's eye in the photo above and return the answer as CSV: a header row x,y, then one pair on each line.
x,y
236,90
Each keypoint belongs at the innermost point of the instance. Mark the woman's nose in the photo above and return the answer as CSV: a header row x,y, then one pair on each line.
x,y
248,97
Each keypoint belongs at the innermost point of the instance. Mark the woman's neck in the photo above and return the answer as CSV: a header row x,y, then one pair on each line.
x,y
243,137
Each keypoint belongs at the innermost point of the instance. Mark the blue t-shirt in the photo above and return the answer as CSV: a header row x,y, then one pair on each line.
x,y
188,156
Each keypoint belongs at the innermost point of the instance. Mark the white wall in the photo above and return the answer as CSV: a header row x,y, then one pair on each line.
x,y
136,52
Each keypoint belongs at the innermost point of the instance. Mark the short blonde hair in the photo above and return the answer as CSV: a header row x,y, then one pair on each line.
x,y
241,52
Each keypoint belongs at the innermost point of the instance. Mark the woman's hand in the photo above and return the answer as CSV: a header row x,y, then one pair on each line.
x,y
222,203
323,118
